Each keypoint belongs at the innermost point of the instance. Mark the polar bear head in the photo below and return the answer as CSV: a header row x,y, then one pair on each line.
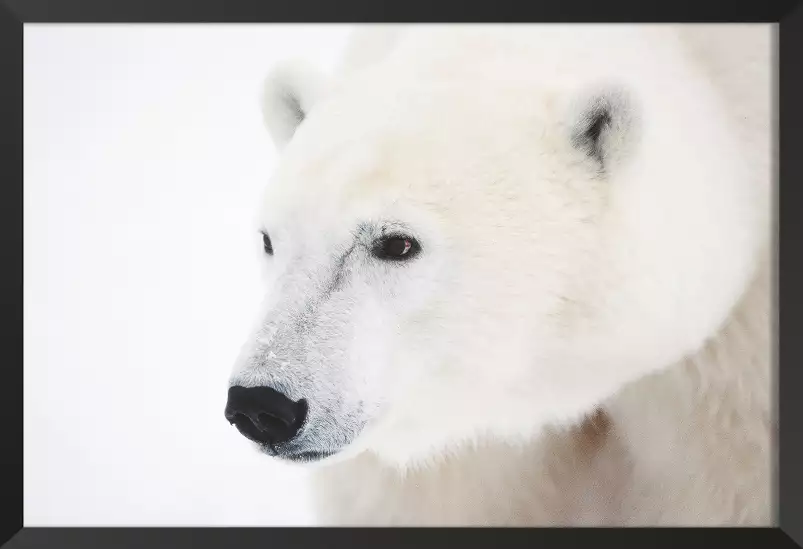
x,y
484,232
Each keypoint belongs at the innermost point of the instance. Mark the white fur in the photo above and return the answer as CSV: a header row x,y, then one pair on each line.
x,y
293,80
544,291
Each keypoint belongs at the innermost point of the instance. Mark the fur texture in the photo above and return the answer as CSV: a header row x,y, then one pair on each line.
x,y
584,336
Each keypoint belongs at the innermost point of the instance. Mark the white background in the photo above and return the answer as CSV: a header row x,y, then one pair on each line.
x,y
144,155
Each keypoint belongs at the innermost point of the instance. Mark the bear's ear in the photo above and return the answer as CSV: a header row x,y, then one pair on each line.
x,y
604,126
288,93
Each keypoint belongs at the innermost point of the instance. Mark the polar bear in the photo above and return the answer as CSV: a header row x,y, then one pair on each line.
x,y
520,275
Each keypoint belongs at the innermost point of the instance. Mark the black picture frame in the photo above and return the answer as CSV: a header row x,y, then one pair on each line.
x,y
14,14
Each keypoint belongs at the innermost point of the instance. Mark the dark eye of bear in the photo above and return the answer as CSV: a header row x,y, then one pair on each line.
x,y
267,244
395,248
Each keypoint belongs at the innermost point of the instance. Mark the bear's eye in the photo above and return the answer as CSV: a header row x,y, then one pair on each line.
x,y
267,244
395,248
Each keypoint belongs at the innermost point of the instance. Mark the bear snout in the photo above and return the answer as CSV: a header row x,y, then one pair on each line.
x,y
264,415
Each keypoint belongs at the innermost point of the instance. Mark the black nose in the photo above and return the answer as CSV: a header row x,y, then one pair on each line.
x,y
264,415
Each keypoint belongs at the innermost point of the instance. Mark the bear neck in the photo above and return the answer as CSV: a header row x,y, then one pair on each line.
x,y
711,413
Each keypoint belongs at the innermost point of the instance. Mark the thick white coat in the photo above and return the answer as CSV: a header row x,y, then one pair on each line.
x,y
643,298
